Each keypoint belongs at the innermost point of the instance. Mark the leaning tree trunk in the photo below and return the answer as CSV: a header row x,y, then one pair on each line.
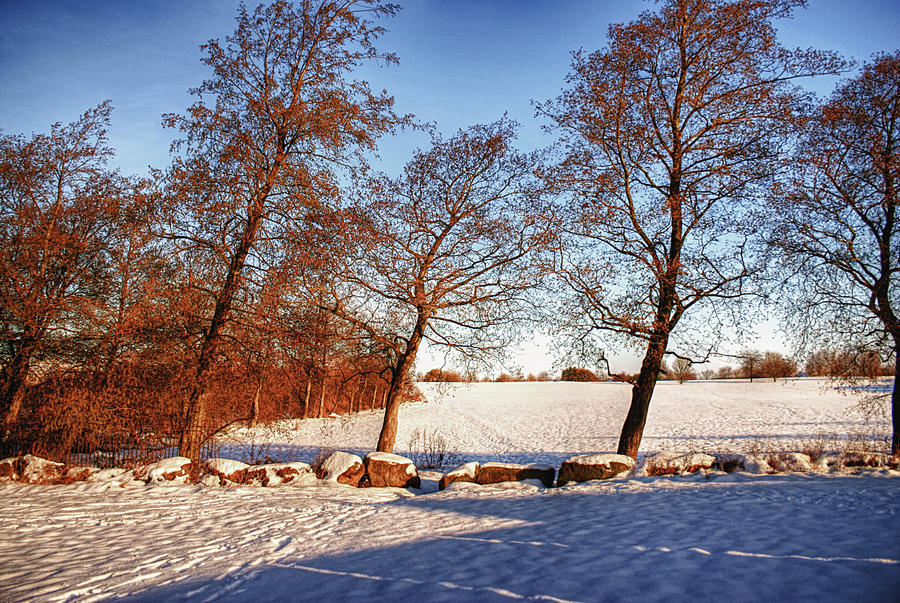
x,y
394,394
633,428
196,409
13,392
388,436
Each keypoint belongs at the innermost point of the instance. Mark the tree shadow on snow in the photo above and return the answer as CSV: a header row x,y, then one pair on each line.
x,y
738,538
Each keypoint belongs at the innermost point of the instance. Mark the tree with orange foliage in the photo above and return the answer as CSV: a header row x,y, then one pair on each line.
x,y
441,253
775,365
669,134
60,203
285,116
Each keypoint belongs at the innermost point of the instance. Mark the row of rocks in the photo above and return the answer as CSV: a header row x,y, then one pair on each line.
x,y
381,469
377,469
581,468
767,462
213,472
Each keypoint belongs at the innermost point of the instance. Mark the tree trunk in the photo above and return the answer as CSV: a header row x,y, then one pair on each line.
x,y
388,435
321,412
633,428
374,397
393,395
196,409
13,392
254,407
361,393
305,413
895,404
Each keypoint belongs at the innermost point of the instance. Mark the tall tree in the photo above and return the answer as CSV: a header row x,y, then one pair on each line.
x,y
439,254
669,134
58,202
286,116
837,221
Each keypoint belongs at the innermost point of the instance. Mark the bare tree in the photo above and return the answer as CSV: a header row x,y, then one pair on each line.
x,y
439,254
670,134
838,223
682,370
59,203
285,116
750,360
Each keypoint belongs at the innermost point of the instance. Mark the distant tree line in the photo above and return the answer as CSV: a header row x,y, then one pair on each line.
x,y
267,272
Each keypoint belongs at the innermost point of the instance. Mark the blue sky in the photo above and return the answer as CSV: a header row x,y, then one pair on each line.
x,y
461,62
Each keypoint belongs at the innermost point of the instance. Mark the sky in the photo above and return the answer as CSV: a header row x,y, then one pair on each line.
x,y
462,62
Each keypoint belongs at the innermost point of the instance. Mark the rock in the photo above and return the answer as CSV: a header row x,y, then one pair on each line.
x,y
493,473
778,462
227,471
463,473
391,471
35,470
669,464
276,474
757,463
80,474
176,469
730,463
858,458
785,462
593,466
9,469
343,468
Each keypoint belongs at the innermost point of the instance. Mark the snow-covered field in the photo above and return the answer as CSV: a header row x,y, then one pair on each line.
x,y
737,537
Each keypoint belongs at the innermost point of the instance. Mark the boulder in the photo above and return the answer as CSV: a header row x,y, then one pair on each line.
x,y
785,462
275,474
343,468
730,463
391,470
757,463
176,469
9,469
494,473
35,470
226,471
670,464
593,466
855,458
463,473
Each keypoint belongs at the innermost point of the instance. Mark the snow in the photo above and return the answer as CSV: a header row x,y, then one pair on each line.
x,y
387,457
537,466
701,537
600,459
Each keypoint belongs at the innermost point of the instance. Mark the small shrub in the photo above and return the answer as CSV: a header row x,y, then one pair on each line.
x,y
815,448
319,459
429,450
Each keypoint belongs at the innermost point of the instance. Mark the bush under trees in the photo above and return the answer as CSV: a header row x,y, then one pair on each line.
x,y
574,373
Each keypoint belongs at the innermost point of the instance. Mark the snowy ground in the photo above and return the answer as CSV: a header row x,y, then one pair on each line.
x,y
735,537
549,422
